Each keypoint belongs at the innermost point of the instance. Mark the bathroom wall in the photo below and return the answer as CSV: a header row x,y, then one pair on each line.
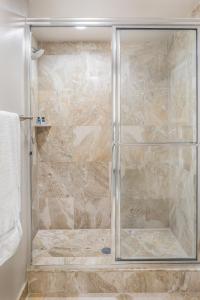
x,y
74,154
111,9
12,98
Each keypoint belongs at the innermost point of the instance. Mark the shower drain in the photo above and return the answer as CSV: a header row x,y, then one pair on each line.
x,y
106,250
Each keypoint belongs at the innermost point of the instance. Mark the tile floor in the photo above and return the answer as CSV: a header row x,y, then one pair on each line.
x,y
83,246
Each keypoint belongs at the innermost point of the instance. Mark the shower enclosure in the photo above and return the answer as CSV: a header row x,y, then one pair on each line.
x,y
115,168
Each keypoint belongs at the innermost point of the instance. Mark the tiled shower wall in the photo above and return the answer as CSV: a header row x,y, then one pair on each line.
x,y
74,153
182,116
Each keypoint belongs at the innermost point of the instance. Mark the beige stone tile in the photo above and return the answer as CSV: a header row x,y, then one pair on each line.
x,y
71,243
90,107
145,108
144,187
60,72
35,298
92,206
150,243
93,213
144,134
79,180
158,88
196,11
156,107
144,212
55,144
160,177
94,281
92,143
56,213
84,183
52,180
60,48
43,258
158,296
55,107
182,197
138,296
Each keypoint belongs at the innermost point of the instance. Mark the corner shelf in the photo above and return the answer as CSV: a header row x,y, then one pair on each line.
x,y
42,126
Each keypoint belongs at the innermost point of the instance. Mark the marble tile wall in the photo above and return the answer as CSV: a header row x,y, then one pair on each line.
x,y
182,114
74,154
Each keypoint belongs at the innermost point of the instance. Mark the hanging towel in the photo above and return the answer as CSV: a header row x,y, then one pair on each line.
x,y
10,197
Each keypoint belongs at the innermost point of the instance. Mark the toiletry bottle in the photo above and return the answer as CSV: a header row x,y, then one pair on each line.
x,y
38,121
43,122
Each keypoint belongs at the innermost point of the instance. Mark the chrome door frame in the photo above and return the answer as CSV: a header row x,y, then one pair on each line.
x,y
117,143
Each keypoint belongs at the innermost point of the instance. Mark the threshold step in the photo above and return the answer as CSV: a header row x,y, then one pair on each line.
x,y
136,296
74,282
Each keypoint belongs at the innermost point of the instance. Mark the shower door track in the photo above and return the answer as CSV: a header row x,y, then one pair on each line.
x,y
116,24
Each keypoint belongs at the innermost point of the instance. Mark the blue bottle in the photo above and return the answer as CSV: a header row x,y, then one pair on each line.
x,y
38,121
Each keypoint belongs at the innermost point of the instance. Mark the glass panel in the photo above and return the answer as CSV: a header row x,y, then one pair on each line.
x,y
158,85
158,202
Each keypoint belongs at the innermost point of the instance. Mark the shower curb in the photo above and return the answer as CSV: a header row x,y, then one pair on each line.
x,y
72,281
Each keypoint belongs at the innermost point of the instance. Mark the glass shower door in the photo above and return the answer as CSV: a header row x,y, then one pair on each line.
x,y
156,144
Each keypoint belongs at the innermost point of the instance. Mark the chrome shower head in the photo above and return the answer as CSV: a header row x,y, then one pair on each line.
x,y
36,53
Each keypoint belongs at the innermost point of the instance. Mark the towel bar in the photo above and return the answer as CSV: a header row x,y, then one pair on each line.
x,y
23,118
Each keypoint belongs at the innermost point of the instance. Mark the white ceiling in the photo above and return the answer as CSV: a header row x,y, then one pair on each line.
x,y
102,9
111,8
15,6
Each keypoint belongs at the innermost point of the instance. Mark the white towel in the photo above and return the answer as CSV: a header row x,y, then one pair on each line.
x,y
10,196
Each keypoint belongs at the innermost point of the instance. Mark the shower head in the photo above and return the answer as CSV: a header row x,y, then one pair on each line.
x,y
36,53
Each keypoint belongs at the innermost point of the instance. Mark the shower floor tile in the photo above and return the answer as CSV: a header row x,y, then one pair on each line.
x,y
150,243
78,246
83,246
